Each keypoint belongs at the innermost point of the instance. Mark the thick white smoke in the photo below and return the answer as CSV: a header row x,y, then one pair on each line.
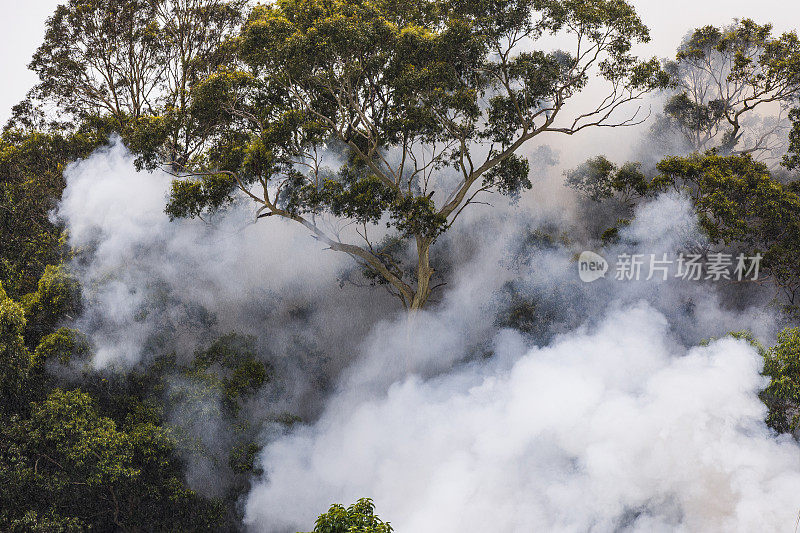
x,y
617,423
607,418
132,255
614,428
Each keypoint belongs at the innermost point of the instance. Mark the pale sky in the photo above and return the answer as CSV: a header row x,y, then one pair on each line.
x,y
22,28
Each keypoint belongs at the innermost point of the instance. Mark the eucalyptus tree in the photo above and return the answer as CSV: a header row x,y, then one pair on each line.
x,y
733,88
426,104
131,64
741,207
100,57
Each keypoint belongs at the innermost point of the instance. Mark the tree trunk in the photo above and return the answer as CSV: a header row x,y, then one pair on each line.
x,y
424,274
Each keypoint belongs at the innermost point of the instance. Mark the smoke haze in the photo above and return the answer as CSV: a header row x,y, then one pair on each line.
x,y
607,416
609,428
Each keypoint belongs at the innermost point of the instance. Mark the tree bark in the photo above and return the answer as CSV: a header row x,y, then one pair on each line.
x,y
424,274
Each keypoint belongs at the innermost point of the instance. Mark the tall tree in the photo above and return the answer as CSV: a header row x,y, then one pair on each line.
x,y
426,105
725,76
101,57
134,63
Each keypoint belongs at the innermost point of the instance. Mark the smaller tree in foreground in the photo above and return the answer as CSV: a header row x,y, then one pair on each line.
x,y
358,518
402,113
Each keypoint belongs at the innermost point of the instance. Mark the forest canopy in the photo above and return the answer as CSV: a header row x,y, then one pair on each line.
x,y
372,125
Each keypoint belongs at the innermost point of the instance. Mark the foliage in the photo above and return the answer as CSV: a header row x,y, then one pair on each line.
x,y
611,235
58,297
425,105
231,366
72,462
31,181
82,449
722,76
740,205
782,395
600,179
133,63
15,360
358,518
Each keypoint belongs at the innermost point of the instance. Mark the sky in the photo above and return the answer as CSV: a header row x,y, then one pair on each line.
x,y
23,23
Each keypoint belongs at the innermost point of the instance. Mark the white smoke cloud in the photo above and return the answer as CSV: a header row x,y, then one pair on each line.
x,y
154,287
132,251
613,428
613,422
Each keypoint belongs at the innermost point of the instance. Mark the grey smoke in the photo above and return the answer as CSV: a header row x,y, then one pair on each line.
x,y
617,423
615,427
606,418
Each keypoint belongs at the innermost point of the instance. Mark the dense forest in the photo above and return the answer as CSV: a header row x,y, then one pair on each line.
x,y
192,380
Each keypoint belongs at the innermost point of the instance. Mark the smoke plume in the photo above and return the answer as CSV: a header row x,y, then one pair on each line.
x,y
604,415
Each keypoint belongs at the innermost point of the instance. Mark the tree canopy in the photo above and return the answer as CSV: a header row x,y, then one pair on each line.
x,y
358,518
722,78
373,124
132,64
401,113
